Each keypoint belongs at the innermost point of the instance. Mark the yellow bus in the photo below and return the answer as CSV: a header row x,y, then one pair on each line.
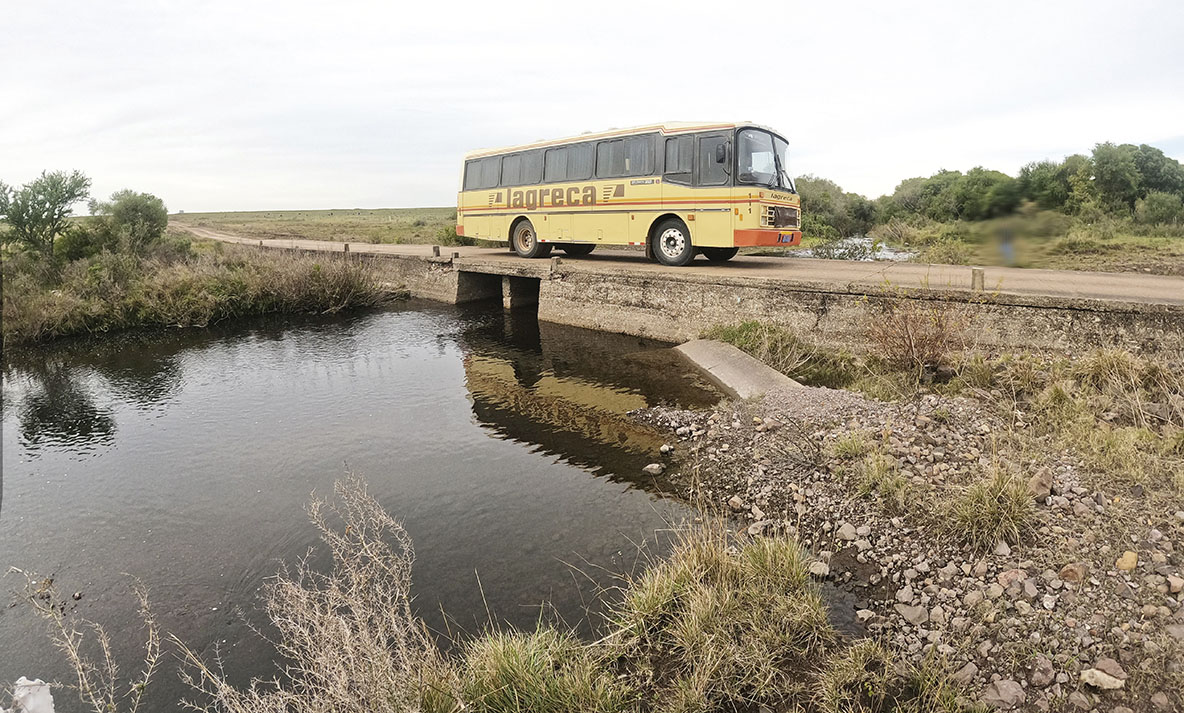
x,y
677,189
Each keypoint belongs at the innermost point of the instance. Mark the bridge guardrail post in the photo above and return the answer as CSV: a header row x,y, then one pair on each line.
x,y
977,279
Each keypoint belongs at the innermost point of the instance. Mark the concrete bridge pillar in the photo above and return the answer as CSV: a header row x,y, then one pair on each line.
x,y
520,292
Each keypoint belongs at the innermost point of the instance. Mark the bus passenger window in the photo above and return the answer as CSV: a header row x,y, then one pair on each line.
x,y
678,160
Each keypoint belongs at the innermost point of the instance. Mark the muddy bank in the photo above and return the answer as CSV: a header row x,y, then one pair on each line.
x,y
1079,610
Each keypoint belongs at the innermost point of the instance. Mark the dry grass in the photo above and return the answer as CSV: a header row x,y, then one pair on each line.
x,y
788,353
915,335
359,225
349,637
99,683
117,291
997,507
880,474
867,678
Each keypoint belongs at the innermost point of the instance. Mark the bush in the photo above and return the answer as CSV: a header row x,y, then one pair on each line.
x,y
917,334
1159,208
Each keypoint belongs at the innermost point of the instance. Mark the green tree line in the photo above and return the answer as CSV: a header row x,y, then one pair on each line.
x,y
1115,180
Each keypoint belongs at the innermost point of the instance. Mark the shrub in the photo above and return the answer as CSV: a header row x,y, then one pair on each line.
x,y
1159,208
917,334
994,508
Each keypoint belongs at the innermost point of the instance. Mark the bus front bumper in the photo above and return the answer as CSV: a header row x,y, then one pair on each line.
x,y
766,237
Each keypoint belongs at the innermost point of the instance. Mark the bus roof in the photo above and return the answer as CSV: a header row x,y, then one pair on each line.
x,y
673,127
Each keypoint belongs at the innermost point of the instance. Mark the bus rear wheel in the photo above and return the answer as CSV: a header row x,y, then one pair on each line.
x,y
719,254
671,244
526,242
577,250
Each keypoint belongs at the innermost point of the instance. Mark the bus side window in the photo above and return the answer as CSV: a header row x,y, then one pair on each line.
x,y
555,165
512,170
678,160
532,167
491,170
580,158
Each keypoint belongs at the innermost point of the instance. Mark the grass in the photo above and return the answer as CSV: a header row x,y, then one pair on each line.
x,y
880,475
793,356
386,225
1045,239
179,288
994,508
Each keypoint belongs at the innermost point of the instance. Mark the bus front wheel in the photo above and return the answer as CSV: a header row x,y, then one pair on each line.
x,y
526,242
672,243
719,254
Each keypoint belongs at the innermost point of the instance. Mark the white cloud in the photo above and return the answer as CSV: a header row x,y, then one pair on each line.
x,y
249,105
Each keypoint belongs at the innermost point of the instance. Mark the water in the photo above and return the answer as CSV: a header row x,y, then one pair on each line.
x,y
185,459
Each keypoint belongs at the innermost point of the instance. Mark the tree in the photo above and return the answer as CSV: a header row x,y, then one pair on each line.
x,y
1159,208
1116,176
37,213
1044,183
130,221
1157,172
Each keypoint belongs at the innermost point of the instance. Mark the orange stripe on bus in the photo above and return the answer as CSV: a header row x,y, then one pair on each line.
x,y
714,201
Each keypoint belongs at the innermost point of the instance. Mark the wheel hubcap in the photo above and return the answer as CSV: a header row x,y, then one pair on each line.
x,y
672,242
525,239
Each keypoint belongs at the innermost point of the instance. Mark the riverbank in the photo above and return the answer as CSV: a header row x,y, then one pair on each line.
x,y
1017,517
178,285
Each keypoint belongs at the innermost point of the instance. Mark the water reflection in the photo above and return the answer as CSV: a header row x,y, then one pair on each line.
x,y
569,391
58,410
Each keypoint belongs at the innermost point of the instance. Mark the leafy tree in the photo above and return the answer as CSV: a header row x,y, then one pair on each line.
x,y
37,213
1045,183
1159,208
130,220
829,212
1116,176
1158,172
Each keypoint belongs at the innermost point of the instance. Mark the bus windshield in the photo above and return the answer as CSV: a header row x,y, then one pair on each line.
x,y
763,159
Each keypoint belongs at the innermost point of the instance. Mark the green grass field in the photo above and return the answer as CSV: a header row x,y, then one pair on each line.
x,y
382,225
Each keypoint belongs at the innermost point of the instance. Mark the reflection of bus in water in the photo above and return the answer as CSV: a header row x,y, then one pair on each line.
x,y
552,386
678,189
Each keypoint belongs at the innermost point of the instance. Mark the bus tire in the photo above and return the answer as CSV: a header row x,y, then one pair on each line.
x,y
672,243
577,250
719,254
525,241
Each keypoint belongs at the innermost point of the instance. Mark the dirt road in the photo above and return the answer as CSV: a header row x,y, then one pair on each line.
x,y
1127,287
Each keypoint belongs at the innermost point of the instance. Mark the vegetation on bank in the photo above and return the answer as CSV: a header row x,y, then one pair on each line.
x,y
1119,208
723,623
121,267
436,226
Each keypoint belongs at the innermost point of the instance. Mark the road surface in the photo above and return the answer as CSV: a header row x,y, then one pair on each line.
x,y
1125,287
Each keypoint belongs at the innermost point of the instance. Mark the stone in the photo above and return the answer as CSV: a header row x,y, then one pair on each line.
x,y
905,595
1080,700
1160,701
1043,672
1176,631
865,615
1004,694
1010,577
1074,572
759,527
819,568
655,469
972,598
1128,561
1106,674
937,615
757,513
846,532
1175,584
914,615
965,674
1040,484
666,448
1002,548
31,696
737,503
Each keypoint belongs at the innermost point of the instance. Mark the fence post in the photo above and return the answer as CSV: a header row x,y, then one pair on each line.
x,y
435,251
977,279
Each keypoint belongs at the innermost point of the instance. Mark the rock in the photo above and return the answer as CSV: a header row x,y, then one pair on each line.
x,y
666,448
1176,631
1175,584
1010,577
905,595
1106,674
1002,548
654,469
914,615
1121,709
865,615
1043,672
1004,694
757,513
819,568
937,615
1080,700
1160,701
737,503
846,532
1128,561
31,696
1040,484
77,596
972,598
1074,572
759,527
965,674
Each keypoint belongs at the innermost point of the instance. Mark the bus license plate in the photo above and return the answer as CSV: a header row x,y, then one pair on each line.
x,y
785,237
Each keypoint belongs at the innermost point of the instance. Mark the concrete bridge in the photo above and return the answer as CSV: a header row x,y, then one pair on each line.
x,y
830,302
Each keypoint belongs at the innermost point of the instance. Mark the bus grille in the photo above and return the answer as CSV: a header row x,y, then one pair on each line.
x,y
780,217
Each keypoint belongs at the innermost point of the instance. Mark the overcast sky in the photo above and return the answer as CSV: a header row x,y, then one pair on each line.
x,y
247,105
